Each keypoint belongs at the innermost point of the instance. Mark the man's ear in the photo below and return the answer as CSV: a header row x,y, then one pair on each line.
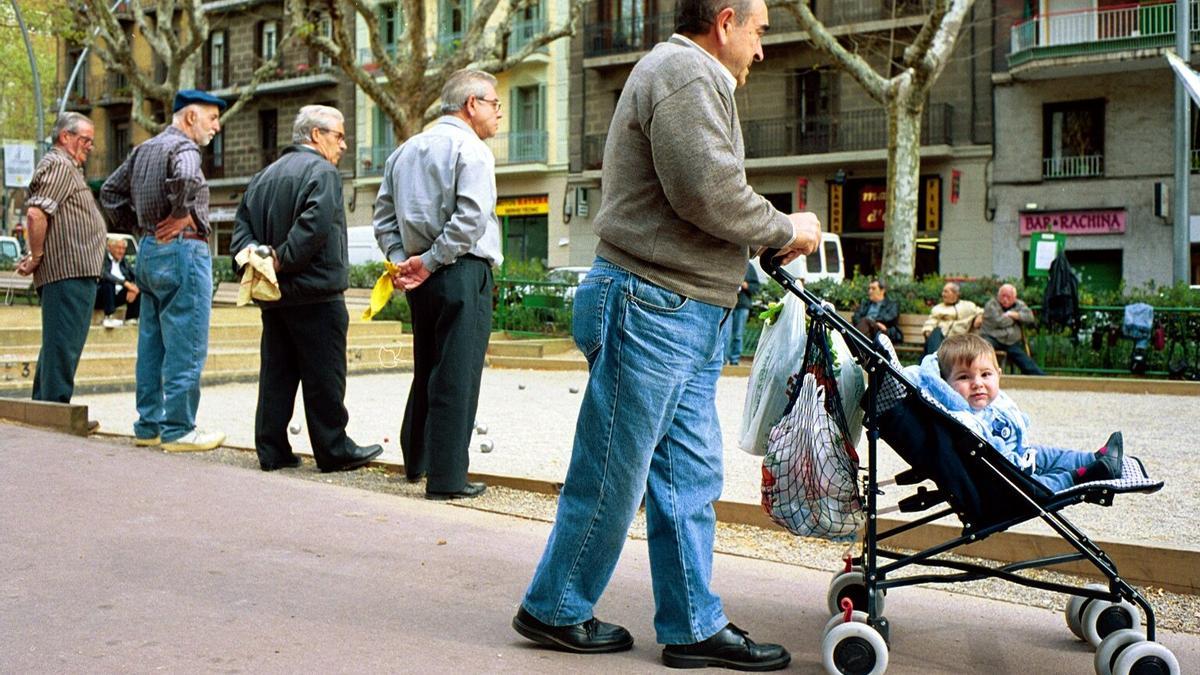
x,y
722,23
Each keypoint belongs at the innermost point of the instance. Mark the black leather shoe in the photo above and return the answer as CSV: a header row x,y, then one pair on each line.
x,y
468,491
289,463
730,648
590,637
360,457
414,478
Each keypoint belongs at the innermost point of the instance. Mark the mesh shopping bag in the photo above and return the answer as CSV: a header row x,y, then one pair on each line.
x,y
810,472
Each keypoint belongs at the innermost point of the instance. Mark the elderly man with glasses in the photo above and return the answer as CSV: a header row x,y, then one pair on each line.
x,y
294,207
435,218
66,252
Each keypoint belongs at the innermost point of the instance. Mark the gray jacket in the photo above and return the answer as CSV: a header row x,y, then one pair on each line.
x,y
677,209
1002,328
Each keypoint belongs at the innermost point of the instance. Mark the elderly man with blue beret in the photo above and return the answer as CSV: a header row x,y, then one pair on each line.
x,y
161,193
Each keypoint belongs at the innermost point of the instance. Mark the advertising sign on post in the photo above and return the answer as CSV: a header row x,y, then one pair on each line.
x,y
1043,249
18,164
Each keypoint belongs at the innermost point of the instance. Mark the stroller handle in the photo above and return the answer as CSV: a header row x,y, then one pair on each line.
x,y
768,260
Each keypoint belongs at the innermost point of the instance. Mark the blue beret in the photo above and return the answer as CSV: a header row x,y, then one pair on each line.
x,y
187,97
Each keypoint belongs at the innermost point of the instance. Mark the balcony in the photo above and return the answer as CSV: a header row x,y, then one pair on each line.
x,y
1092,32
624,36
853,12
371,159
286,78
116,90
846,131
519,147
1079,166
523,33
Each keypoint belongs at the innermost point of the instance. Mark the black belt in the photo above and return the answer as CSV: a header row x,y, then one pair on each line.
x,y
187,234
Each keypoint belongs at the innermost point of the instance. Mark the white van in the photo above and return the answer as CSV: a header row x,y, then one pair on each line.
x,y
825,263
10,249
362,245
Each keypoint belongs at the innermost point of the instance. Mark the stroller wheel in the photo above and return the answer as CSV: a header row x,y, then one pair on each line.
x,y
840,618
1112,646
854,649
1100,618
1074,610
1146,658
851,585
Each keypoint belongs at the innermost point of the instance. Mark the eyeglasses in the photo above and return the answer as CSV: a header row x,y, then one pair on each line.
x,y
87,140
495,104
340,136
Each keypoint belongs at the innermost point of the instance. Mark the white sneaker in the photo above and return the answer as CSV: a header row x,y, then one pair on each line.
x,y
130,322
195,441
110,322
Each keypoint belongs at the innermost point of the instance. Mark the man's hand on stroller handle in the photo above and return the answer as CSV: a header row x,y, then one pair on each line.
x,y
806,236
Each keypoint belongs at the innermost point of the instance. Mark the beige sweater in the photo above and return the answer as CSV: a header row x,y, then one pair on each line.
x,y
677,209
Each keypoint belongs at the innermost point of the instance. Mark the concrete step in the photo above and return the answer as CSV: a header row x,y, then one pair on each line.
x,y
31,336
532,348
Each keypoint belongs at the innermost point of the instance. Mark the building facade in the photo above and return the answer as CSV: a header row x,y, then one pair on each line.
x,y
814,139
243,35
530,148
1085,136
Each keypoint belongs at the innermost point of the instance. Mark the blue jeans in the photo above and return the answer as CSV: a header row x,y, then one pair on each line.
x,y
737,329
647,427
176,283
1055,467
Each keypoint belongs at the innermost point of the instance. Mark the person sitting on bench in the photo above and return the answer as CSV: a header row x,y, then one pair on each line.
x,y
117,286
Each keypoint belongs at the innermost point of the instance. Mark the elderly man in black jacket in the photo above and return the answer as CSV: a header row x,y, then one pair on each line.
x,y
878,313
294,207
118,286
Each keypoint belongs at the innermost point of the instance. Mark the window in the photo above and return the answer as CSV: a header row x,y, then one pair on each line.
x,y
527,139
268,131
391,25
120,145
218,59
325,26
1073,139
268,40
79,88
1193,140
453,18
811,97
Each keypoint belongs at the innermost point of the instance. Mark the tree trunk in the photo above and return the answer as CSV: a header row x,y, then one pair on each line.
x,y
904,174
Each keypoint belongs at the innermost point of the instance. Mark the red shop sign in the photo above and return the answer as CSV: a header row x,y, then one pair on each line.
x,y
1074,222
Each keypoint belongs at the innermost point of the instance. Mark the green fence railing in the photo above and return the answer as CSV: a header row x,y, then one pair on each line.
x,y
1098,345
533,307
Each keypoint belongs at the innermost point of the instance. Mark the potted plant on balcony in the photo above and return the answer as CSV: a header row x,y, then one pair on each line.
x,y
301,68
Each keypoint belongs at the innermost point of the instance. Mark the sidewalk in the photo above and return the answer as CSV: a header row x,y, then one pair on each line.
x,y
119,560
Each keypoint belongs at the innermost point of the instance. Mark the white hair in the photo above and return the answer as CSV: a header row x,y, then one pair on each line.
x,y
464,84
69,122
314,117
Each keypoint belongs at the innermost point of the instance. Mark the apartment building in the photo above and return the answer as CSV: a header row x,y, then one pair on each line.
x,y
814,140
1086,134
531,146
243,35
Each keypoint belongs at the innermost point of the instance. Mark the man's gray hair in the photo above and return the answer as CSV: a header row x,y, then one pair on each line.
x,y
68,121
695,17
464,84
954,286
314,117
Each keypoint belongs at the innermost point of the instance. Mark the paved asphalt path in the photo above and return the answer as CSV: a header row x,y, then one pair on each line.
x,y
118,559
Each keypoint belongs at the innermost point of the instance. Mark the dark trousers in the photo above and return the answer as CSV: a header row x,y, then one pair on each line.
x,y
1016,354
109,297
66,316
452,320
933,341
303,344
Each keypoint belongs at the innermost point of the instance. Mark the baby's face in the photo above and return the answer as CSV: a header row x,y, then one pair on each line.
x,y
978,381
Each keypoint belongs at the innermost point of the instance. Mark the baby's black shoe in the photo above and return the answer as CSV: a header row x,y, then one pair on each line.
x,y
1108,464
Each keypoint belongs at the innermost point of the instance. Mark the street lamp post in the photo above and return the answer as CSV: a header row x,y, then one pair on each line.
x,y
37,84
1181,239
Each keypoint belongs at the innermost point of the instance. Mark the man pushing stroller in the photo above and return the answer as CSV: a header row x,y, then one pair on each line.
x,y
964,377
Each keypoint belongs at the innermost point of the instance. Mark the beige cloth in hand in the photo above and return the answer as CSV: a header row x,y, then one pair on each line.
x,y
258,278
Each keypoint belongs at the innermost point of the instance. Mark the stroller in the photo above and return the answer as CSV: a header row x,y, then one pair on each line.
x,y
988,495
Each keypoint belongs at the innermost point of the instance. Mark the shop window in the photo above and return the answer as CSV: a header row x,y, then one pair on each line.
x,y
1073,139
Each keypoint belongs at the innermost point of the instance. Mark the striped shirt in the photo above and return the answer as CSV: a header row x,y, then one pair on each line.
x,y
160,178
74,227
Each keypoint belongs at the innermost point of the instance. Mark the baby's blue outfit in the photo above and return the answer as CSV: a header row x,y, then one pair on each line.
x,y
1004,426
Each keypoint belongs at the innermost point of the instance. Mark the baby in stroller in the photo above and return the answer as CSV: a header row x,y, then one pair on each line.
x,y
965,378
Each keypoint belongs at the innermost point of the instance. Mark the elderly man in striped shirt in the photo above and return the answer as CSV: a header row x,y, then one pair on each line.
x,y
66,251
161,191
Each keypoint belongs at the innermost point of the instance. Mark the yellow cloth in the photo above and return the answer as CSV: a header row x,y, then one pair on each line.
x,y
382,292
258,279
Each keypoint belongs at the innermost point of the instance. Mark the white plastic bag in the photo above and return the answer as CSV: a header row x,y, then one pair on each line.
x,y
851,384
810,474
779,355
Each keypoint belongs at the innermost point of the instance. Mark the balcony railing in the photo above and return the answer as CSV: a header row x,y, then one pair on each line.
x,y
372,158
1079,166
623,36
1195,161
519,147
523,33
1097,31
846,131
593,152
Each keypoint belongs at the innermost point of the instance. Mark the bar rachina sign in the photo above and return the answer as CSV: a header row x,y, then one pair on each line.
x,y
1074,222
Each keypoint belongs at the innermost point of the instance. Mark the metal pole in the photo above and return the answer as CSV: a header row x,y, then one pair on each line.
x,y
62,105
1181,240
37,84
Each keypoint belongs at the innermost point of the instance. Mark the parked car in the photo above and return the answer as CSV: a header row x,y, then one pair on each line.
x,y
10,249
362,245
824,263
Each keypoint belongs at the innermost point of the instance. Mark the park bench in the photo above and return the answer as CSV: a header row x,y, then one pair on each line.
x,y
13,284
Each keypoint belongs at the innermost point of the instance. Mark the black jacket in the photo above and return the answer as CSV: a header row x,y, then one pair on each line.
x,y
106,274
295,206
889,315
746,295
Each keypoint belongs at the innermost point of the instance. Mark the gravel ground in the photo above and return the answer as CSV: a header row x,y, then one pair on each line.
x,y
530,420
1175,612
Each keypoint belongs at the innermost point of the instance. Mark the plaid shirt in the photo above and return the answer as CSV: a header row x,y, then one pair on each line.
x,y
74,245
160,178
